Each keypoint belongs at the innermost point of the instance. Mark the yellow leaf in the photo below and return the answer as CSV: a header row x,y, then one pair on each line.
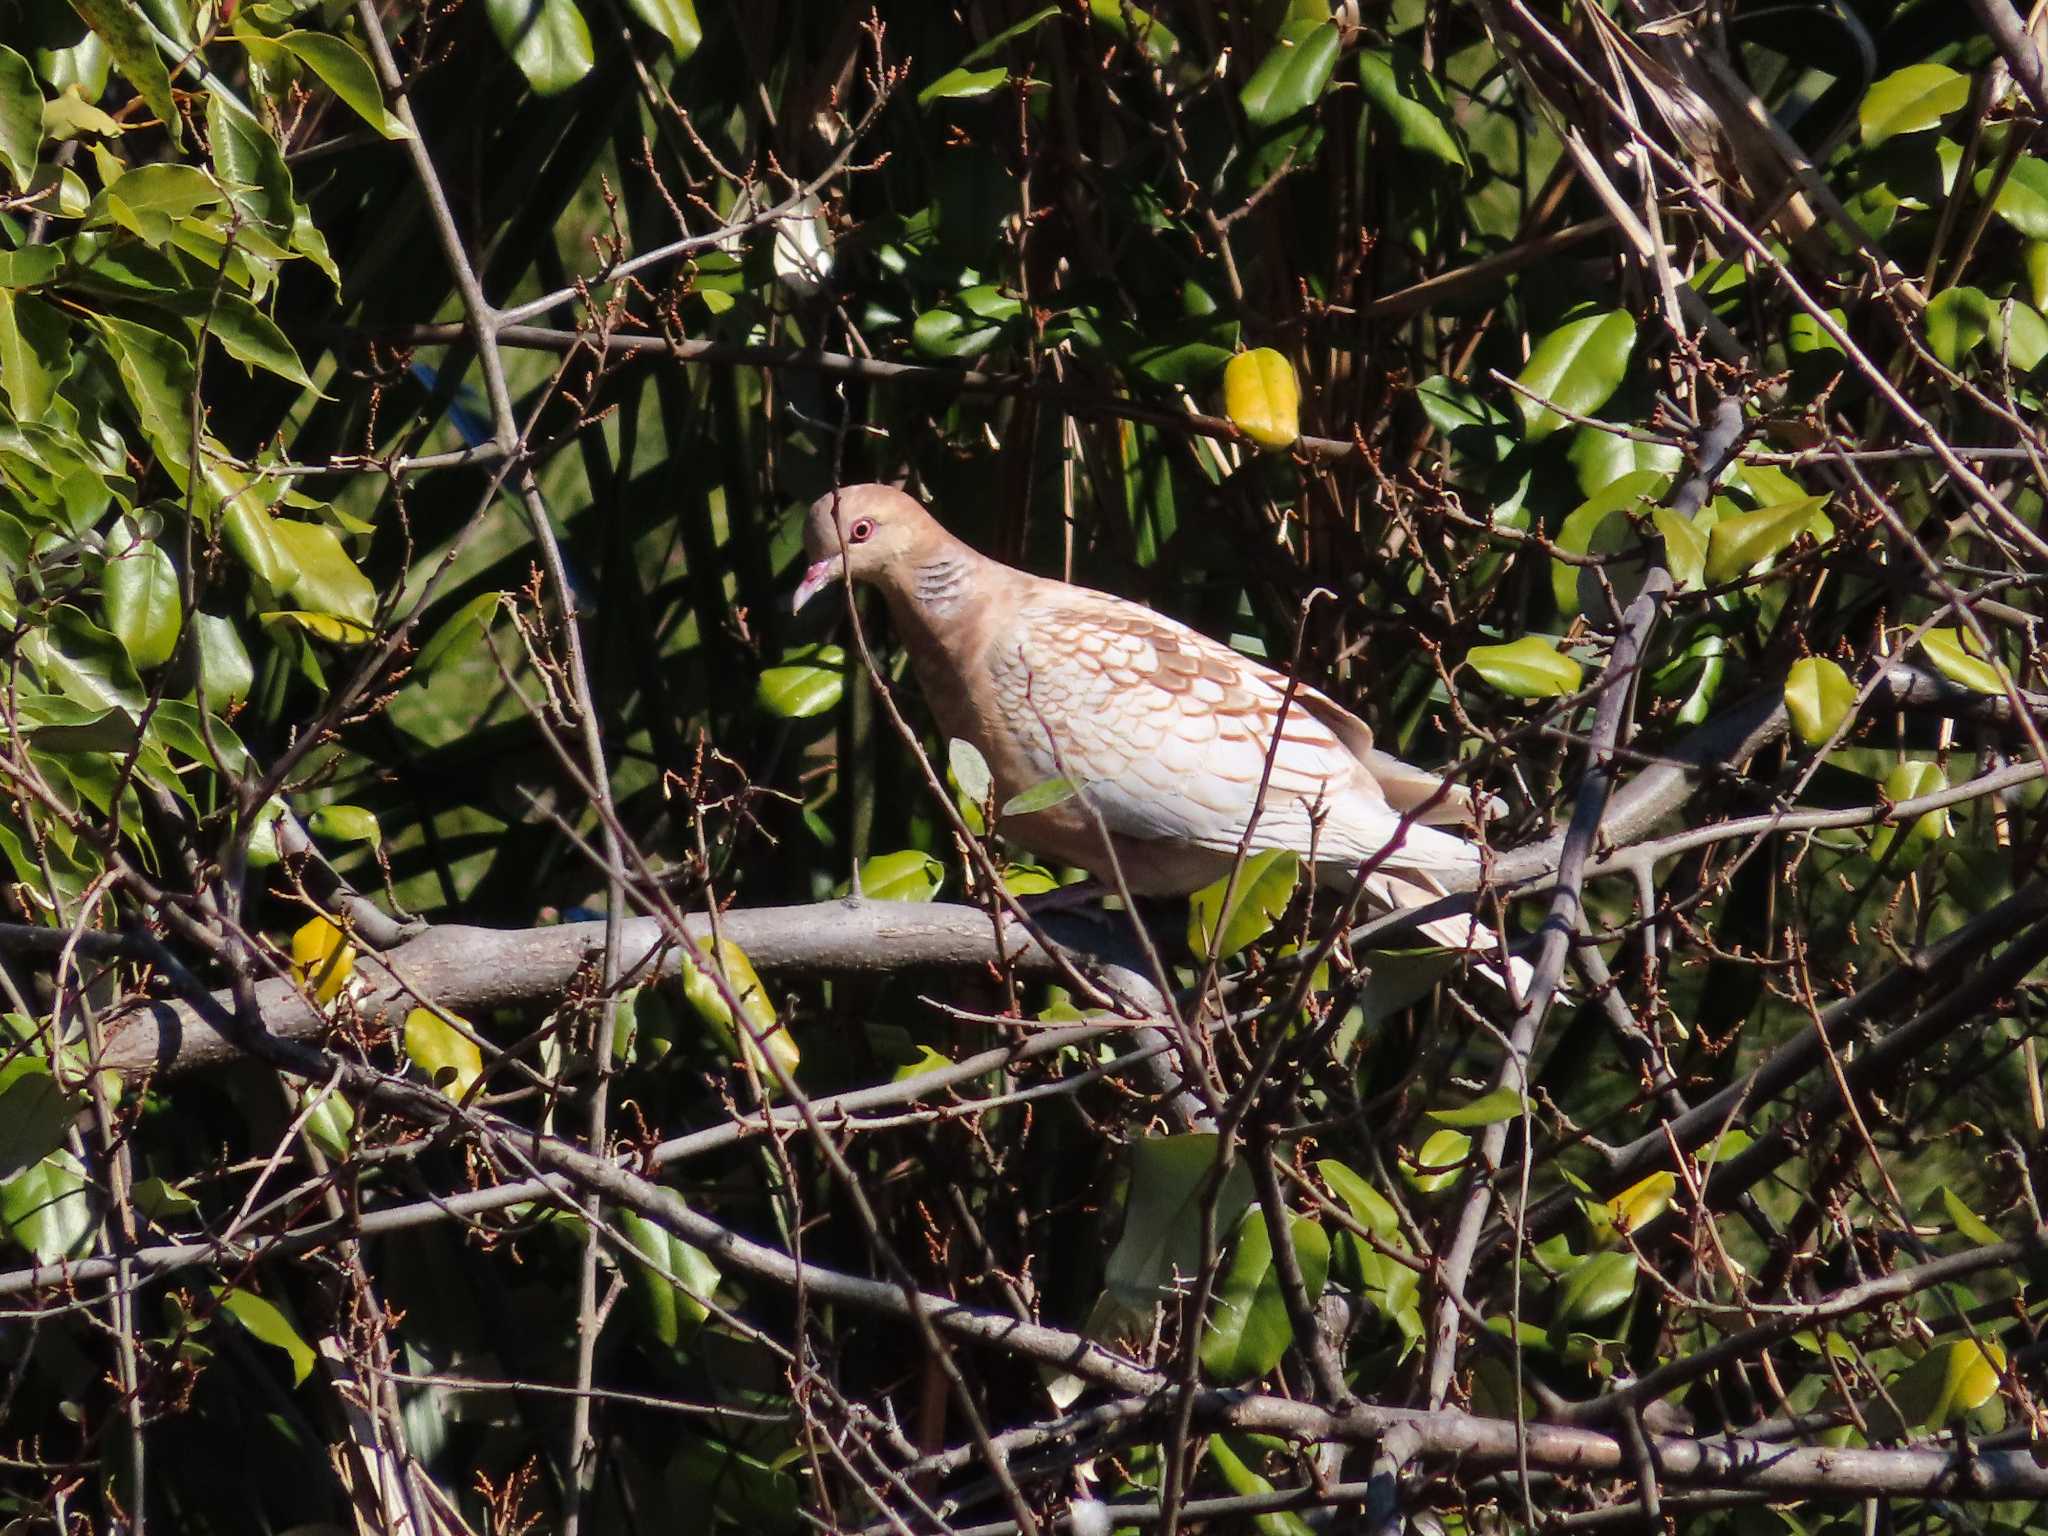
x,y
1960,658
1634,1208
443,1052
322,958
1262,399
761,1032
1819,696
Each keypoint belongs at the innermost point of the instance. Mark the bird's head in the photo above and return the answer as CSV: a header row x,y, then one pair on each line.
x,y
865,532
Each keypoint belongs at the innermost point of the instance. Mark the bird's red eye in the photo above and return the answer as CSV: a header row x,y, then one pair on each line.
x,y
861,531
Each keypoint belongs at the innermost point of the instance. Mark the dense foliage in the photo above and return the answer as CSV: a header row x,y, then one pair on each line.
x,y
443,1087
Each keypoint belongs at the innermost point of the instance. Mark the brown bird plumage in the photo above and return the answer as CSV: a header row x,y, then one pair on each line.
x,y
1165,731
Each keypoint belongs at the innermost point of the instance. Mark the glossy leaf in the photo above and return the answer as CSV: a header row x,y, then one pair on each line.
x,y
1910,780
1262,399
1161,1243
1291,77
1819,696
144,605
1959,656
1600,525
1412,102
1249,1329
1685,546
675,20
47,1208
548,39
1744,540
266,1324
1958,321
667,1306
1592,1288
1487,1109
1577,367
458,635
84,662
1529,668
1439,1162
1042,796
21,118
1910,100
120,25
1128,22
727,971
1263,888
322,626
452,1061
344,824
317,571
906,875
346,71
961,84
809,682
35,353
1239,1477
1943,1385
322,958
35,1111
1372,1209
1633,1209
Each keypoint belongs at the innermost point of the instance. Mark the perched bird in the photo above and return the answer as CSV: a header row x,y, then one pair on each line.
x,y
1165,732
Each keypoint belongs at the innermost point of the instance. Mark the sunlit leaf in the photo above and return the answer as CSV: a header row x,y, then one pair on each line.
x,y
906,875
346,71
810,681
1959,656
1042,796
144,606
548,39
1249,1329
1575,367
1259,894
1911,99
1487,1109
47,1208
1529,668
322,958
450,1058
728,972
121,27
21,118
1747,539
268,1325
1412,101
1819,696
1593,1287
1439,1162
675,20
1262,399
344,824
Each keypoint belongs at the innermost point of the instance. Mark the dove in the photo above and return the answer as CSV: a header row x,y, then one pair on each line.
x,y
1165,733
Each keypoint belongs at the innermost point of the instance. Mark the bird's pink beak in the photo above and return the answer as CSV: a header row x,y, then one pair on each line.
x,y
825,573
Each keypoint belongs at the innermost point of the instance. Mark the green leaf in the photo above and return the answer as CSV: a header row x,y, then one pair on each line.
x,y
1014,30
1910,780
120,25
1250,1330
675,20
472,621
145,609
809,682
548,40
1130,24
268,1325
315,569
345,824
70,115
1600,525
21,118
252,337
1601,455
162,1202
1488,1109
346,71
1161,1243
1404,93
1744,540
1958,321
970,770
1685,547
1529,668
35,1112
1577,367
1240,1479
83,662
1967,1221
224,666
1595,1286
1262,398
1264,886
1042,796
1819,696
331,1126
1947,1382
1633,1209
35,353
452,1061
1438,1163
321,626
156,372
906,875
1373,1210
960,84
2034,260
1959,657
1291,77
1910,100
48,1209
1475,427
764,1032
667,1305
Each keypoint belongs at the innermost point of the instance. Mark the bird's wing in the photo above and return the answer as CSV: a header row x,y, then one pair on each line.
x,y
1167,733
